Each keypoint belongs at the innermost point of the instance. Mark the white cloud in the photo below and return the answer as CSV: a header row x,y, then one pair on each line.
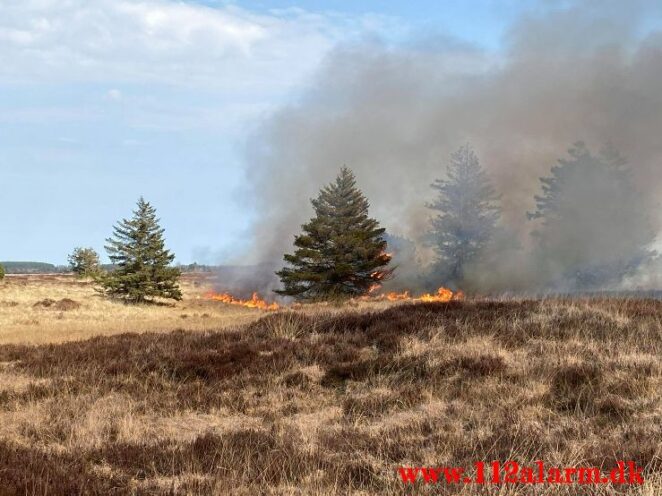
x,y
167,42
114,95
173,65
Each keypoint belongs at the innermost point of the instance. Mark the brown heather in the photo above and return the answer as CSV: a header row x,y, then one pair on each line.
x,y
321,400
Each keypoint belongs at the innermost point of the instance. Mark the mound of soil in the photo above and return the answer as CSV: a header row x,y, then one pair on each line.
x,y
65,304
45,303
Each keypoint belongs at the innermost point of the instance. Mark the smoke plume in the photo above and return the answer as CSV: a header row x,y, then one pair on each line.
x,y
591,71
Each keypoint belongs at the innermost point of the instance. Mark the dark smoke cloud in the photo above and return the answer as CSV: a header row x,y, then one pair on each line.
x,y
591,71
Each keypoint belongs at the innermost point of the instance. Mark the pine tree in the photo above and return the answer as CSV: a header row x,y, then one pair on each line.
x,y
142,262
467,214
341,252
84,262
593,227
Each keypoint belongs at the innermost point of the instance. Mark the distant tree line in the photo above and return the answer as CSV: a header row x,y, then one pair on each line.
x,y
12,267
197,268
76,265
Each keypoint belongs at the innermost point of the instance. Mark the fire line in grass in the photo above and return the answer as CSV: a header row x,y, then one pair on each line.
x,y
254,302
442,295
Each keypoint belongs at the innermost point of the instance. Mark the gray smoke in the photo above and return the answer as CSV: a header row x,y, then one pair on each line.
x,y
590,71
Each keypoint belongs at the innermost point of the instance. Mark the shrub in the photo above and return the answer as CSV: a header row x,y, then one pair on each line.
x,y
84,262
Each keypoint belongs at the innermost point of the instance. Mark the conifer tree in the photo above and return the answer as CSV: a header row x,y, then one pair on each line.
x,y
84,262
593,224
341,252
142,263
467,213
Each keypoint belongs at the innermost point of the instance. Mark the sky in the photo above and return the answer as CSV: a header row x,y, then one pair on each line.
x,y
102,101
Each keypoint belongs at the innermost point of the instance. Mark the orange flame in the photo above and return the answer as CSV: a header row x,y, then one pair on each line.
x,y
379,275
254,302
442,295
393,296
374,288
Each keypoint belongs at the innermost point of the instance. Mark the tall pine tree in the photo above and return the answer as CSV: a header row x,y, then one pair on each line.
x,y
593,228
142,262
466,216
341,252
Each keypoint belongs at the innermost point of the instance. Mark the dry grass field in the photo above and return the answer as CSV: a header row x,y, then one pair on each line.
x,y
32,311
203,398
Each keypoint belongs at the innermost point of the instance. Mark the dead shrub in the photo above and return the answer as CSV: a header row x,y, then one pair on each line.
x,y
63,305
351,443
614,406
66,304
482,365
31,471
399,369
376,404
45,303
297,379
357,474
287,325
575,386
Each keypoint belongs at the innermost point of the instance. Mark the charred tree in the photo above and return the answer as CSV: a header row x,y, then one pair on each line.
x,y
341,252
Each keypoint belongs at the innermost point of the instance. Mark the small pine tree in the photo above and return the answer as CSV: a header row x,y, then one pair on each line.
x,y
142,262
467,214
2,272
84,262
342,252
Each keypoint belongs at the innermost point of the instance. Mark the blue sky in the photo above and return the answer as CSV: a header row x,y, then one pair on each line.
x,y
102,101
